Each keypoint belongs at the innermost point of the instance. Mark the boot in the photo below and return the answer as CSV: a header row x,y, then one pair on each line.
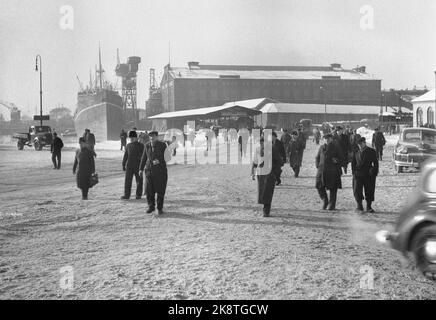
x,y
368,207
332,203
359,208
266,210
325,204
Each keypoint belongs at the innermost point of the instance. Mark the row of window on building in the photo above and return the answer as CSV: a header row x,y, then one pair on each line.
x,y
420,117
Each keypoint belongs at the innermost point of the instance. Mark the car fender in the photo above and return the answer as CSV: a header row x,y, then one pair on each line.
x,y
424,217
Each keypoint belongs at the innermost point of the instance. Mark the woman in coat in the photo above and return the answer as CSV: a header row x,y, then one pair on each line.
x,y
85,165
328,176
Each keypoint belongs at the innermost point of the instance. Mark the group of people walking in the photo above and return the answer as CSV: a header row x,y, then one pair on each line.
x,y
340,148
144,161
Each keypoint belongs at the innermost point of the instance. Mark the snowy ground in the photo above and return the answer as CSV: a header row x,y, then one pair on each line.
x,y
212,242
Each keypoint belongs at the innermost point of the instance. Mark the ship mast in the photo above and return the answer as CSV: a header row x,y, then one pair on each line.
x,y
99,62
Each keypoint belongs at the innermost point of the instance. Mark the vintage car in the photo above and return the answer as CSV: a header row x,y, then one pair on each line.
x,y
415,230
414,146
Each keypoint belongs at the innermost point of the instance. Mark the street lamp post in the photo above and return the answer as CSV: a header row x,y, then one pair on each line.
x,y
40,84
325,103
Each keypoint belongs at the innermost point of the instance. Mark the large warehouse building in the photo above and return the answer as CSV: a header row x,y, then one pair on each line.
x,y
197,86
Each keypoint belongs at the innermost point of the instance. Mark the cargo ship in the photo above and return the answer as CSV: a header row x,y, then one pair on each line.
x,y
99,109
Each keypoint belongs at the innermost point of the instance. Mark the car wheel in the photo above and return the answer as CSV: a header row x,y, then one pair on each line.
x,y
424,250
399,169
38,146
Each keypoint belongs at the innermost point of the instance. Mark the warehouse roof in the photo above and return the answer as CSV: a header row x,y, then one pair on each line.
x,y
318,108
428,97
198,71
210,112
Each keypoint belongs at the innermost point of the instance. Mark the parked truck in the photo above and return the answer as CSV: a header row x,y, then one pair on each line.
x,y
38,137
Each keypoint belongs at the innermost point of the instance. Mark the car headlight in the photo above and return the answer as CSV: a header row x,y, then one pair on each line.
x,y
430,182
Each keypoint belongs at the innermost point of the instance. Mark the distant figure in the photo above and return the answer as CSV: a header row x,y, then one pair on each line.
x,y
89,139
378,142
293,151
123,138
301,144
153,161
56,148
285,138
328,176
85,165
316,136
365,170
281,149
131,162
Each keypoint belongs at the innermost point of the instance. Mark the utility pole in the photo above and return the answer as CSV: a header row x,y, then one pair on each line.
x,y
40,85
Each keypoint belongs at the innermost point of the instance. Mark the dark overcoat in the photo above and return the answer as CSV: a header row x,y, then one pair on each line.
x,y
266,183
328,164
133,155
294,153
156,176
84,166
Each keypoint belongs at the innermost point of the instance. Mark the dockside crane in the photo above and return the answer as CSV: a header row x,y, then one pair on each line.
x,y
14,111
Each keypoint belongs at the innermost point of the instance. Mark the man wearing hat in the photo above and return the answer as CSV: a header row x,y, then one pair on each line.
x,y
364,166
293,152
278,144
56,148
131,162
378,142
328,176
153,161
343,142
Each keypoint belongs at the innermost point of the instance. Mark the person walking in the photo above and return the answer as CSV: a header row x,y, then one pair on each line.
x,y
84,165
265,181
131,161
343,142
281,149
328,176
123,138
153,160
89,139
55,150
316,136
301,139
365,168
293,152
378,142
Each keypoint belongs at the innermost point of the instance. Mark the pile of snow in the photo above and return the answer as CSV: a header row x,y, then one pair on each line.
x,y
365,132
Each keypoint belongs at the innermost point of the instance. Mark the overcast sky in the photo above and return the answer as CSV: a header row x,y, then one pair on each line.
x,y
400,49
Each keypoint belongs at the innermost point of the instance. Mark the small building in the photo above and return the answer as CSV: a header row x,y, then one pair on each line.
x,y
424,110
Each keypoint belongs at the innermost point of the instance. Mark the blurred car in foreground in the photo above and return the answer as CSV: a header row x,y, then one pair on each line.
x,y
414,146
415,230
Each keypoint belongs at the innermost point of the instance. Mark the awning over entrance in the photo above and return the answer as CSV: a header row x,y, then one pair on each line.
x,y
210,113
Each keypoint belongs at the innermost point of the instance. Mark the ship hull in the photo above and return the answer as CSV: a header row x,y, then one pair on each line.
x,y
101,113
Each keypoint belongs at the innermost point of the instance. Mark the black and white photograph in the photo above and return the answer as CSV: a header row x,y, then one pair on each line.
x,y
217,150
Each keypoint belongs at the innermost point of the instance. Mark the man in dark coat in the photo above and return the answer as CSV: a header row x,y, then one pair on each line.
x,y
328,177
293,152
265,180
84,161
89,139
131,161
55,149
365,170
343,142
281,149
123,138
301,144
153,161
285,138
378,142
